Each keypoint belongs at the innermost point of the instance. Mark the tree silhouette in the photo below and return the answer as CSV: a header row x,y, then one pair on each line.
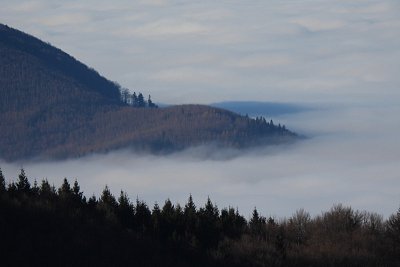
x,y
134,100
77,191
23,184
142,216
257,225
2,182
150,103
125,210
141,102
65,189
393,232
208,230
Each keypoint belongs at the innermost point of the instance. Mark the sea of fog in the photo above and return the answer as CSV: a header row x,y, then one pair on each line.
x,y
351,156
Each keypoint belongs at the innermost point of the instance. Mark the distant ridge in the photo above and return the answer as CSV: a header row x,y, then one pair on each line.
x,y
53,106
257,108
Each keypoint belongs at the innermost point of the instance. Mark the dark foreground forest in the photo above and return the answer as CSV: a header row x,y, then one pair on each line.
x,y
44,226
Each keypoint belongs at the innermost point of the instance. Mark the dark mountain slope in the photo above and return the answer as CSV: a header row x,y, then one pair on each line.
x,y
59,61
54,106
169,129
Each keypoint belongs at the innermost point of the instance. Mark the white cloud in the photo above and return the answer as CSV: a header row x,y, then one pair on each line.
x,y
72,19
163,28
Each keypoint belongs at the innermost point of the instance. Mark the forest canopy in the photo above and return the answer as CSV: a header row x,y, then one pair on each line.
x,y
41,224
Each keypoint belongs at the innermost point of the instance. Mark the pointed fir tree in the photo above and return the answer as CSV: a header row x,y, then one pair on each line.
x,y
208,225
257,225
92,202
107,198
46,190
142,216
23,184
190,217
76,190
168,209
134,100
125,210
150,103
35,188
156,219
141,102
190,207
210,209
65,189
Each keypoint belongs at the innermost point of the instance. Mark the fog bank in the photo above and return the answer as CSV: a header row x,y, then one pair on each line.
x,y
352,157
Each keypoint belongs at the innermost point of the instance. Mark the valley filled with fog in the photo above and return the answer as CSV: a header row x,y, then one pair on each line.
x,y
350,155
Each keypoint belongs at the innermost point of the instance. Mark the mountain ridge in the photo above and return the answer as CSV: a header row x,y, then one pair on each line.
x,y
54,106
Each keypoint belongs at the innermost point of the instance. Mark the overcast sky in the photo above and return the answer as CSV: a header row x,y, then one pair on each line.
x,y
208,51
322,52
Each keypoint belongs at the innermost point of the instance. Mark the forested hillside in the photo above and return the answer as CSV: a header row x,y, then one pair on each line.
x,y
54,106
44,226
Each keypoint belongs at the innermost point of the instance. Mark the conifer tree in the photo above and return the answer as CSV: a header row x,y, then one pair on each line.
x,y
156,219
2,182
150,103
168,209
35,188
190,207
141,103
92,202
257,225
125,210
23,184
46,190
76,190
190,217
107,198
134,100
65,189
208,232
142,216
167,222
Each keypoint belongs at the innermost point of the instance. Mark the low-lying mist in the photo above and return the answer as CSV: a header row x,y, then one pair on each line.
x,y
351,156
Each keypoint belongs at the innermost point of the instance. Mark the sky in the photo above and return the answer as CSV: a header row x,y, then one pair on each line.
x,y
209,51
340,57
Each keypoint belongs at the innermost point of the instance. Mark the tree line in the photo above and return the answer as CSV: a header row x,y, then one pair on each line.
x,y
136,100
41,224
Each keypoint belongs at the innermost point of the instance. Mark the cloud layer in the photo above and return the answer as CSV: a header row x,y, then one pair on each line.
x,y
351,157
208,51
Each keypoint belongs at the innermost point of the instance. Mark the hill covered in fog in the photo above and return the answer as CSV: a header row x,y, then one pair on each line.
x,y
54,106
257,108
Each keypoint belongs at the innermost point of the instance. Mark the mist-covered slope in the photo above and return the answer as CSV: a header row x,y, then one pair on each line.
x,y
256,108
54,106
